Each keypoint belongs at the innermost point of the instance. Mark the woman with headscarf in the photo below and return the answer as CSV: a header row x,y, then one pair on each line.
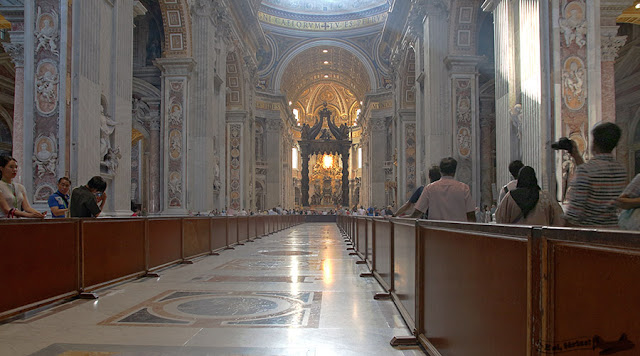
x,y
528,204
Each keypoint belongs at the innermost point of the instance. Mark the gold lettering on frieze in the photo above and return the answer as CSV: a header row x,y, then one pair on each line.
x,y
382,105
261,105
322,25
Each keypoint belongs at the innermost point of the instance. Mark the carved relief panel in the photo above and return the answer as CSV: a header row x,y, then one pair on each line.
x,y
46,96
175,138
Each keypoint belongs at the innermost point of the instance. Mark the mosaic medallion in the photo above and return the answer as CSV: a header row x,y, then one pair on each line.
x,y
207,309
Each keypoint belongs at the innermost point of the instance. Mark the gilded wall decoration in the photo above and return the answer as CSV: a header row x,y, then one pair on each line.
x,y
47,82
235,141
574,89
177,27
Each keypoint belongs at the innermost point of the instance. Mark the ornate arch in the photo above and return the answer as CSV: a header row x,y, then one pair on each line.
x,y
361,56
176,20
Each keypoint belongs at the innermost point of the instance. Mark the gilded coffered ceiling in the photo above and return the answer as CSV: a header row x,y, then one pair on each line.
x,y
325,65
323,7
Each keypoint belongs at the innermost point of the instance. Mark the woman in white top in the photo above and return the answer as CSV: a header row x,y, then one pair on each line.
x,y
13,196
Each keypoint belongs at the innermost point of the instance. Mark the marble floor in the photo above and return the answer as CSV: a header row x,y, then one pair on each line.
x,y
295,292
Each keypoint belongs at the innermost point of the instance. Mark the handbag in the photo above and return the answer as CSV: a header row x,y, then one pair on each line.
x,y
629,219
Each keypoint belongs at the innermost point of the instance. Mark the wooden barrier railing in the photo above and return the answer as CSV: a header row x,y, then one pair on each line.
x,y
480,289
50,260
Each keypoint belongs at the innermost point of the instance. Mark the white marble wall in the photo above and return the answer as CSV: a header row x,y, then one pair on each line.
x,y
203,119
437,128
102,72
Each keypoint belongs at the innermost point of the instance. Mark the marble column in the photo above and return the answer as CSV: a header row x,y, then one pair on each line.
x,y
505,87
376,154
487,122
407,167
236,156
16,50
464,91
155,152
437,127
610,44
273,180
304,153
345,178
176,76
203,119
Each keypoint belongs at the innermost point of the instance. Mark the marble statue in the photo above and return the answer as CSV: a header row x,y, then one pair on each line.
x,y
217,185
516,129
107,127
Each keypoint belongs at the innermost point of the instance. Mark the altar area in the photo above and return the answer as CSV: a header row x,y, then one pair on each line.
x,y
325,181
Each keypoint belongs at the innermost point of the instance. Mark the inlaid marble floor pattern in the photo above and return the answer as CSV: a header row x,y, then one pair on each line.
x,y
295,292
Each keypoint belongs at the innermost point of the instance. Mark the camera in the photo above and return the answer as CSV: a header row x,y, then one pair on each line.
x,y
563,143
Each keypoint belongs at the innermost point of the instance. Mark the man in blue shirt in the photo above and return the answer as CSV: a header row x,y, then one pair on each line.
x,y
59,201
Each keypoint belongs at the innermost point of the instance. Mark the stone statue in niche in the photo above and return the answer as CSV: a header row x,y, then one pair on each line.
x,y
140,110
45,158
47,31
111,161
108,155
573,24
217,185
153,51
516,129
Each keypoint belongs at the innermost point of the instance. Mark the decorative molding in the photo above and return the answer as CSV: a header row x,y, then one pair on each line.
x,y
16,51
611,44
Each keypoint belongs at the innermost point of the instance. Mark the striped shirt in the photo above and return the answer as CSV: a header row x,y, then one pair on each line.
x,y
594,190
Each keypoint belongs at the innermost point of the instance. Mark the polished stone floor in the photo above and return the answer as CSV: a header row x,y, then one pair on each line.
x,y
296,292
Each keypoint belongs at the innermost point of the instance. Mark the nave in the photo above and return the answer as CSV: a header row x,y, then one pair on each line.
x,y
294,292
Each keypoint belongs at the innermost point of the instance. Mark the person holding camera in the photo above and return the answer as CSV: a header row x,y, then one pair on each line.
x,y
597,183
85,199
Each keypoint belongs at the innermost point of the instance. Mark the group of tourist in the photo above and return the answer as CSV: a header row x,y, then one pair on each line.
x,y
594,196
85,201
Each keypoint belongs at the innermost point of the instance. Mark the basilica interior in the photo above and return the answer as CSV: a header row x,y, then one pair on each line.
x,y
186,107
205,105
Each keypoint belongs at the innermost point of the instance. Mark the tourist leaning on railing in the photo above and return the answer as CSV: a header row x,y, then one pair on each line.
x,y
13,196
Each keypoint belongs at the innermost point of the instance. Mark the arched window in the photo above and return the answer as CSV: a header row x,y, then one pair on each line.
x,y
294,158
295,114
